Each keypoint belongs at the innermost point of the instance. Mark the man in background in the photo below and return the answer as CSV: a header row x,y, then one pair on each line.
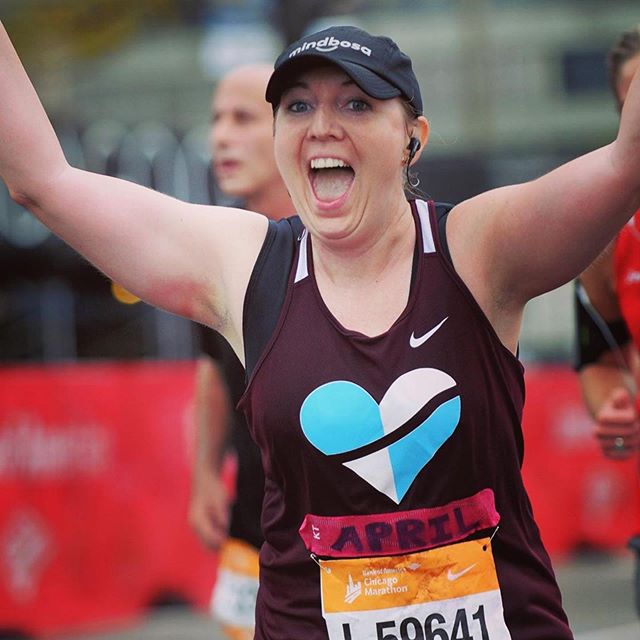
x,y
241,142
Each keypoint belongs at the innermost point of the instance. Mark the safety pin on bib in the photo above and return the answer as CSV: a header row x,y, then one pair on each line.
x,y
314,557
486,546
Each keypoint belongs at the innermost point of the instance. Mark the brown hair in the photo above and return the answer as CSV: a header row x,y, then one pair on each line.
x,y
626,47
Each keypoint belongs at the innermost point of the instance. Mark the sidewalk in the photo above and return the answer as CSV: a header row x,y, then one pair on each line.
x,y
597,593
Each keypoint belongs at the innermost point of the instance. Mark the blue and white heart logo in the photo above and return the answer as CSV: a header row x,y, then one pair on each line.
x,y
341,416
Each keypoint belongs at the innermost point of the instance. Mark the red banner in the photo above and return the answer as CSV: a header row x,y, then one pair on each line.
x,y
94,486
580,498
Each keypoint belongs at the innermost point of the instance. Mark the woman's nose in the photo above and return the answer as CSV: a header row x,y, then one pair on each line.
x,y
325,124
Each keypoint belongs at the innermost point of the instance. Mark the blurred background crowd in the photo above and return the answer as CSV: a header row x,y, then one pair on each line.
x,y
96,386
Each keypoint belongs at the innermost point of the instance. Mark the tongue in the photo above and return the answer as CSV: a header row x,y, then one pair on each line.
x,y
330,184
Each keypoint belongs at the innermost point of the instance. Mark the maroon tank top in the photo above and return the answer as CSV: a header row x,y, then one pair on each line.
x,y
389,446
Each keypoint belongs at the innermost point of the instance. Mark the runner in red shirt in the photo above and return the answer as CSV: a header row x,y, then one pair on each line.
x,y
608,314
612,284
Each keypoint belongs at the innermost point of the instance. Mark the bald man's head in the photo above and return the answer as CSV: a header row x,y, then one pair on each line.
x,y
242,133
248,77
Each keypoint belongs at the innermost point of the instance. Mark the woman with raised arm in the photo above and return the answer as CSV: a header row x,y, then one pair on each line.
x,y
379,340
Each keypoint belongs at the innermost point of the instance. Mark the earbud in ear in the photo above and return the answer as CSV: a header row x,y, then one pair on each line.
x,y
413,146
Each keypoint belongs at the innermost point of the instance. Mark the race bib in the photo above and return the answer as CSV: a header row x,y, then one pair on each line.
x,y
448,593
233,601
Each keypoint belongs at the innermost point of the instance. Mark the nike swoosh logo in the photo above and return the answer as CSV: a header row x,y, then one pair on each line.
x,y
416,342
454,576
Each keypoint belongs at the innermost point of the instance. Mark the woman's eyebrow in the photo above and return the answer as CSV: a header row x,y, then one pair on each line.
x,y
300,84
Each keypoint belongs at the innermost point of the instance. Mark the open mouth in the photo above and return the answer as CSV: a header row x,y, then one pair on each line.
x,y
225,168
331,179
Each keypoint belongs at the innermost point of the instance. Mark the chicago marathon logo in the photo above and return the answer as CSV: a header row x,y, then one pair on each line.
x,y
386,444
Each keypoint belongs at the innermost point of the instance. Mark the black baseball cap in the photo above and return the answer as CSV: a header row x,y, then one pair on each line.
x,y
374,63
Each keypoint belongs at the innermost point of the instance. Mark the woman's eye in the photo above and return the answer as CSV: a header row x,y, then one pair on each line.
x,y
358,105
298,107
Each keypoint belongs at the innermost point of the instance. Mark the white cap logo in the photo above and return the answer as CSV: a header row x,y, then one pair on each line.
x,y
329,44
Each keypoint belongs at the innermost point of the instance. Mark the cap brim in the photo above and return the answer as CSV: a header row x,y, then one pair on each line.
x,y
284,76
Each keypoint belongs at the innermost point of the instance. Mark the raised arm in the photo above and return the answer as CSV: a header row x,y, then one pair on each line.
x,y
514,243
188,259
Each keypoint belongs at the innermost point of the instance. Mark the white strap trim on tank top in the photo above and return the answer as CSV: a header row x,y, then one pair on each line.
x,y
302,270
425,224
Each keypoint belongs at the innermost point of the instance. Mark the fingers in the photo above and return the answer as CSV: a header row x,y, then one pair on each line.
x,y
210,528
621,399
618,444
617,426
209,513
619,447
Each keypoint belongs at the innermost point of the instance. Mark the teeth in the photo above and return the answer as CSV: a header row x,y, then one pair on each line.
x,y
328,163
